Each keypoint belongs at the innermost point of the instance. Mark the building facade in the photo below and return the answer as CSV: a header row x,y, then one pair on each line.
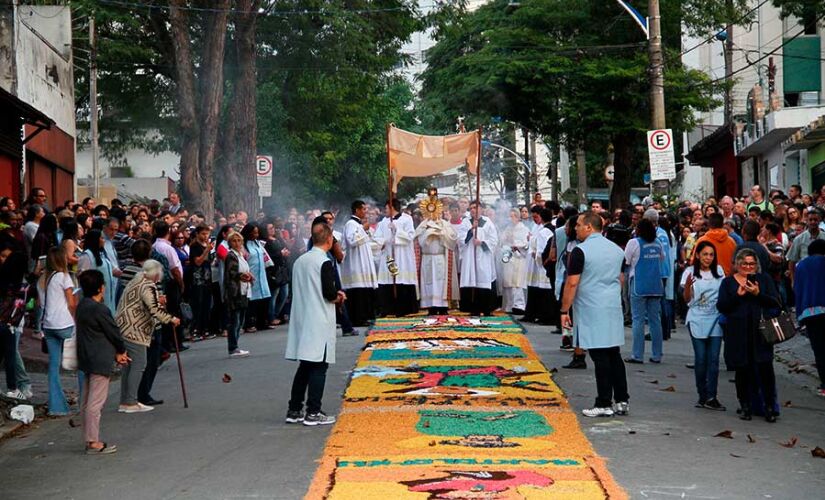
x,y
37,107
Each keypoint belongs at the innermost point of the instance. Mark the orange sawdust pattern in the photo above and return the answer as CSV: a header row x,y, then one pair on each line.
x,y
433,413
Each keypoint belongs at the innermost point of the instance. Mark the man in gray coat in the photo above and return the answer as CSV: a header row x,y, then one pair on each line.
x,y
311,339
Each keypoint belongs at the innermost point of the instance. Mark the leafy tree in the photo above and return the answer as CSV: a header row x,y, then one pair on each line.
x,y
548,66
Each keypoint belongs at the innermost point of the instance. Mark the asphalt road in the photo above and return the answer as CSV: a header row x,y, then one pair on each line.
x,y
232,441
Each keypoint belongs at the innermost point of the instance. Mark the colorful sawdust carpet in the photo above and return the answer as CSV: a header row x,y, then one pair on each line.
x,y
456,407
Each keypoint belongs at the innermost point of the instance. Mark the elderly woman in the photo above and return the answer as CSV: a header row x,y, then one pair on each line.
x,y
99,344
743,298
137,314
237,289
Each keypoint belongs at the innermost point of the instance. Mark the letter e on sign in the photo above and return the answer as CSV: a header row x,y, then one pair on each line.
x,y
263,169
660,153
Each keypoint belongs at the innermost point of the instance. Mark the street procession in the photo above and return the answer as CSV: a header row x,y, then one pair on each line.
x,y
412,249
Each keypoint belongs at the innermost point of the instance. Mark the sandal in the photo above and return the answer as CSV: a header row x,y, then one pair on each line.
x,y
275,323
250,330
106,449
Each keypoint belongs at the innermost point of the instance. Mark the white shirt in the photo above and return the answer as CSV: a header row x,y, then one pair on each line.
x,y
165,248
56,314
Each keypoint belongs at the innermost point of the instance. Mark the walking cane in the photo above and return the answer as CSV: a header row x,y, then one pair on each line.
x,y
180,367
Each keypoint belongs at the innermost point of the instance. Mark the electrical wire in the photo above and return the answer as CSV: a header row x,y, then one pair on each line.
x,y
301,12
734,23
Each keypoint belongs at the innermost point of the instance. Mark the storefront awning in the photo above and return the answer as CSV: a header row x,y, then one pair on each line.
x,y
807,137
28,114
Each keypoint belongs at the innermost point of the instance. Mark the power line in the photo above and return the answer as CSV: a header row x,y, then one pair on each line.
x,y
300,12
734,23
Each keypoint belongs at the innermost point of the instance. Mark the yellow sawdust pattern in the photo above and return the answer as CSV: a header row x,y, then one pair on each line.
x,y
376,446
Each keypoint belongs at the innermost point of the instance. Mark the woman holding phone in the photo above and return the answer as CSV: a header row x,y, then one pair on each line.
x,y
743,298
701,283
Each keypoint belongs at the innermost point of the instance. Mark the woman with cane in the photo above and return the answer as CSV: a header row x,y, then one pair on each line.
x,y
137,313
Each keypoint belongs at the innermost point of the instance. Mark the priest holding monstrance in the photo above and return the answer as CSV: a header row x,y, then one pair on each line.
x,y
438,242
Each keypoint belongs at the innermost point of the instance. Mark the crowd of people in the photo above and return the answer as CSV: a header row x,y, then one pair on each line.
x,y
166,276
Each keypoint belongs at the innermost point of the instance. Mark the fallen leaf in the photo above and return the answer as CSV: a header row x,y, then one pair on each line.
x,y
426,424
432,443
640,371
72,423
790,443
787,404
672,375
725,434
751,439
652,381
669,388
554,370
736,456
226,378
818,452
632,432
666,434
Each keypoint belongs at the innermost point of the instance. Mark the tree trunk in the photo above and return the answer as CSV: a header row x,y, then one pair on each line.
x,y
190,176
239,188
211,99
622,160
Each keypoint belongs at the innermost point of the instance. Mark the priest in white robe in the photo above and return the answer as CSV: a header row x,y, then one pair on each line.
x,y
438,274
540,299
397,273
513,251
478,269
358,275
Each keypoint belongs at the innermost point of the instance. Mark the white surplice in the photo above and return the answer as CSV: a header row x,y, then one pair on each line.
x,y
478,258
400,247
536,274
358,268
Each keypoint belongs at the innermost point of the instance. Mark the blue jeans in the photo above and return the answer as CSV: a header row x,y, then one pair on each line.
x,y
58,405
706,361
236,320
650,309
276,306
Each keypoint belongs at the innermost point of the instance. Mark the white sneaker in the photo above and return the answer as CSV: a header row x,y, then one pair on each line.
x,y
239,353
27,393
598,412
319,418
622,408
17,394
138,408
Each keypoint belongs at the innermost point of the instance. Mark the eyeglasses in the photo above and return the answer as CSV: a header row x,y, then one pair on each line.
x,y
747,264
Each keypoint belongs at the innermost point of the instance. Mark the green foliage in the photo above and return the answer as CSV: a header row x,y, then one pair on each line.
x,y
548,66
325,87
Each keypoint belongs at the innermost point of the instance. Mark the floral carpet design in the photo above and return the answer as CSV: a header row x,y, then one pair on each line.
x,y
447,407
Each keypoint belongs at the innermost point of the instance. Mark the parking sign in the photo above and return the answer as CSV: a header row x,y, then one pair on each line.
x,y
263,167
660,153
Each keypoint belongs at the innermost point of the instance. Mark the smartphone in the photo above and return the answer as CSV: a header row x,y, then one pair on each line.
x,y
751,278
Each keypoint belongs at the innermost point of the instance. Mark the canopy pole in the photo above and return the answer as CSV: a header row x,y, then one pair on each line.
x,y
390,183
478,211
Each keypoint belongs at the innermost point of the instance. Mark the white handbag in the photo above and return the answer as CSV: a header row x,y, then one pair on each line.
x,y
69,361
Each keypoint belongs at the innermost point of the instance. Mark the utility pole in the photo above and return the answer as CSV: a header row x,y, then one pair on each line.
x,y
656,70
93,106
581,170
526,133
534,172
656,73
729,65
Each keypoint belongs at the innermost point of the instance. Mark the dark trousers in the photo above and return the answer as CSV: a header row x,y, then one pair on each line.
x,y
752,378
151,370
541,305
342,318
398,302
816,334
218,318
200,298
361,305
476,301
309,381
8,355
611,380
257,314
173,298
